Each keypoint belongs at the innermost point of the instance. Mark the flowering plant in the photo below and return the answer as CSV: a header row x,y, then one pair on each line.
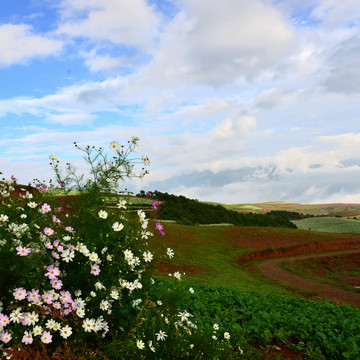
x,y
75,271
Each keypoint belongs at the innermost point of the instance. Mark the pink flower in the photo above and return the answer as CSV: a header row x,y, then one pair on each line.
x,y
95,269
57,305
155,204
33,295
56,284
46,337
48,245
53,272
159,227
47,297
48,231
22,251
45,208
4,320
69,229
6,337
27,338
19,294
56,220
65,297
55,255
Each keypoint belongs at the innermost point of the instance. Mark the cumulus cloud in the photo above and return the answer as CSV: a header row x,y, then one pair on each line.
x,y
131,23
218,42
18,44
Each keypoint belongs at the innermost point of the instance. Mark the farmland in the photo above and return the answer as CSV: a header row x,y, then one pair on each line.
x,y
335,209
329,224
212,259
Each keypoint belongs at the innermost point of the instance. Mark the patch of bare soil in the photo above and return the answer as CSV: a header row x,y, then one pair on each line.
x,y
271,269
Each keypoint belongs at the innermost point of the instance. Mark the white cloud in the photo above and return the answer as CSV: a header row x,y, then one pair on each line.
x,y
18,44
219,42
333,12
133,23
235,127
74,118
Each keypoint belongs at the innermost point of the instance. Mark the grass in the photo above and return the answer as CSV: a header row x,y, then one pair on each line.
x,y
208,254
329,224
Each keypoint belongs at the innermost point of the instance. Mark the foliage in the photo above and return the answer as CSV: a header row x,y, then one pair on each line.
x,y
318,328
187,211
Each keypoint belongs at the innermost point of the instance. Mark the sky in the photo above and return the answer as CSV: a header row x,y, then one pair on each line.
x,y
233,101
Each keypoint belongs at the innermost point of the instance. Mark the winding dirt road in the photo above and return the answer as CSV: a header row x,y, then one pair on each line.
x,y
271,269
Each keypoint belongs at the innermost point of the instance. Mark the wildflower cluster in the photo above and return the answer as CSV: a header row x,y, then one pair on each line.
x,y
75,267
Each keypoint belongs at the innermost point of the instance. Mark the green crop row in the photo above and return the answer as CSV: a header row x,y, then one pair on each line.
x,y
321,330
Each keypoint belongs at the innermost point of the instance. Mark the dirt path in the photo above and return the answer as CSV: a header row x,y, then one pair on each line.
x,y
271,269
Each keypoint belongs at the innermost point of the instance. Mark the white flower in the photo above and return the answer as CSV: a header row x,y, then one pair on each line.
x,y
4,217
23,216
226,335
50,324
214,337
140,344
67,255
136,302
114,145
170,252
105,305
114,294
161,335
184,315
159,302
93,293
93,257
32,204
53,157
98,285
66,331
216,327
117,227
38,330
103,214
80,312
128,254
16,315
148,256
151,346
88,324
122,204
177,275
109,257
32,318
191,290
146,160
141,214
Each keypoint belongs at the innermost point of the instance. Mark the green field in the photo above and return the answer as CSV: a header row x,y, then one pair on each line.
x,y
311,209
329,224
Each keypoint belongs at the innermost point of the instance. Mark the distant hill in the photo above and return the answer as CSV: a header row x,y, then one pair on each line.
x,y
336,209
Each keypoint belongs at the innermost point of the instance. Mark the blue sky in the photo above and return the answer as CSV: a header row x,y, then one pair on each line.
x,y
233,100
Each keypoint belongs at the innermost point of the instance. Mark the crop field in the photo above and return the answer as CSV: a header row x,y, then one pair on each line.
x,y
279,319
329,224
311,209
